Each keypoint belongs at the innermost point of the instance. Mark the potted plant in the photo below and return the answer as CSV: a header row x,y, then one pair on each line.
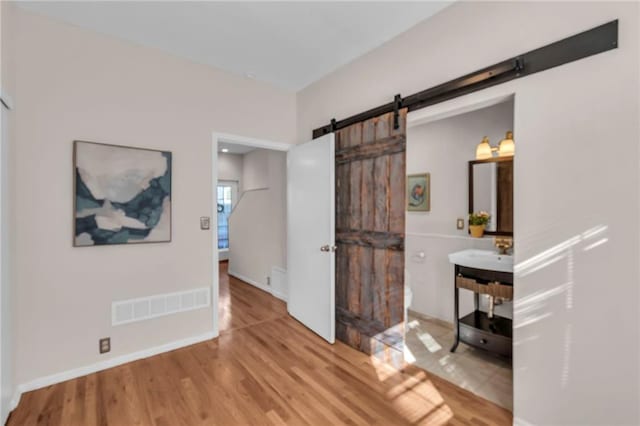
x,y
477,223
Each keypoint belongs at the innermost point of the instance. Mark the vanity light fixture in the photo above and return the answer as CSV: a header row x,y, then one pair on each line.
x,y
506,148
484,150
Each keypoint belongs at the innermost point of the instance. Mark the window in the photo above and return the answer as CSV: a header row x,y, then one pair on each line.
x,y
224,210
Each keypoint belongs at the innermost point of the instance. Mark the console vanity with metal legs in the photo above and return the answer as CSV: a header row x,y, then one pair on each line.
x,y
487,273
480,329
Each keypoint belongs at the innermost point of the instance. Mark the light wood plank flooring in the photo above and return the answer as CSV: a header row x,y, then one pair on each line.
x,y
264,369
242,304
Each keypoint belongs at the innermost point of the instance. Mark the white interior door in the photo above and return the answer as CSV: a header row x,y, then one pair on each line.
x,y
311,235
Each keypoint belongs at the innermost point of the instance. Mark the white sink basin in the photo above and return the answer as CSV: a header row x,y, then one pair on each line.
x,y
482,259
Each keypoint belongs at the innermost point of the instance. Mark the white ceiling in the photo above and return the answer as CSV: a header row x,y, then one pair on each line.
x,y
232,148
288,44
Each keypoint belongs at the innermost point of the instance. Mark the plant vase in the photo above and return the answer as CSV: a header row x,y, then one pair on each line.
x,y
477,231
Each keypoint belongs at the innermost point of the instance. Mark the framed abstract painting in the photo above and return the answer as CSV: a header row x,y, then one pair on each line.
x,y
122,195
419,192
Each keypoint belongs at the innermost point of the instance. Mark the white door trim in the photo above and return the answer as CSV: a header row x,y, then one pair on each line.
x,y
461,105
237,140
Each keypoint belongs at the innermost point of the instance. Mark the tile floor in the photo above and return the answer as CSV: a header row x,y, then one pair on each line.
x,y
428,342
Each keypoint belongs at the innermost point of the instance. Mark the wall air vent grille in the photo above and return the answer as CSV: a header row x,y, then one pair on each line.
x,y
144,308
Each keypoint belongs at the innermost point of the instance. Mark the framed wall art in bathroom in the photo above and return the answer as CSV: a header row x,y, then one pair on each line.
x,y
419,192
122,195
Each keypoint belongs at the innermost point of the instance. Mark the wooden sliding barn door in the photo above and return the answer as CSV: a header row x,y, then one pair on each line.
x,y
370,205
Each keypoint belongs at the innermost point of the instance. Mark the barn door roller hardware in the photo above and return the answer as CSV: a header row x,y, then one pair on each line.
x,y
333,125
591,42
397,105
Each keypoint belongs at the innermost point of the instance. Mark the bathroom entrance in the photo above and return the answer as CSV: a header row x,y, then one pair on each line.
x,y
458,253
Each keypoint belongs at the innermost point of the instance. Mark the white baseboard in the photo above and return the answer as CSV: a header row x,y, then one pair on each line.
x,y
249,281
279,295
15,400
444,323
258,285
104,365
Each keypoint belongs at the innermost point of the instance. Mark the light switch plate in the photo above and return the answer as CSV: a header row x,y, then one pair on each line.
x,y
460,223
205,223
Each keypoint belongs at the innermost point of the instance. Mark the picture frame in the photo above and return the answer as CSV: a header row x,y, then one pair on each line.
x,y
418,192
121,194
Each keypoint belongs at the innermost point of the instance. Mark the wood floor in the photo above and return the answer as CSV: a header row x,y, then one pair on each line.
x,y
264,369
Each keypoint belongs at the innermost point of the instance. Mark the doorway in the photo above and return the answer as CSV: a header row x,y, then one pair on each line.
x,y
249,238
460,179
285,192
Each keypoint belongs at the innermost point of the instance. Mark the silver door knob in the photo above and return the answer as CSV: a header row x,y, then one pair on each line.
x,y
327,248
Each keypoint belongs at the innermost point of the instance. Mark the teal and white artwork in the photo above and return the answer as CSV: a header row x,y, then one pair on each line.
x,y
122,195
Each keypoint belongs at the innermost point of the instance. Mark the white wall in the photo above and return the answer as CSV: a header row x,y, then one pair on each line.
x,y
255,172
257,226
230,168
75,84
576,169
444,148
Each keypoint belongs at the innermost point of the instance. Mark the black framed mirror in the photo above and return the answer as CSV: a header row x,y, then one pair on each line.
x,y
491,190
